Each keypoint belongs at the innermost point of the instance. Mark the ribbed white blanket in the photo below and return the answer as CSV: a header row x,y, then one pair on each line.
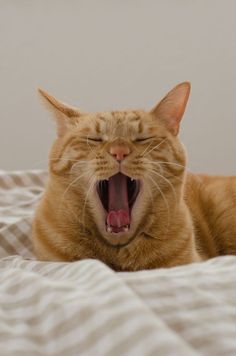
x,y
85,308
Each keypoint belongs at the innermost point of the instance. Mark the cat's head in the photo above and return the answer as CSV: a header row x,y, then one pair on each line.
x,y
119,162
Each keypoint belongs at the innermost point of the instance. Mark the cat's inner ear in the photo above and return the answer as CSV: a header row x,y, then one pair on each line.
x,y
66,116
170,110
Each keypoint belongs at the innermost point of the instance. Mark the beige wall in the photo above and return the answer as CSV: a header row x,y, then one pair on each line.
x,y
104,54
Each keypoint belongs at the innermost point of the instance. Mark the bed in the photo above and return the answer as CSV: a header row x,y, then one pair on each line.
x,y
85,308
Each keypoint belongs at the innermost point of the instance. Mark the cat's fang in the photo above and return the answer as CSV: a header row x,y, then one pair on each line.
x,y
115,229
109,229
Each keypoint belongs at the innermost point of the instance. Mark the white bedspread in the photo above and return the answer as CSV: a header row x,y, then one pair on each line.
x,y
85,308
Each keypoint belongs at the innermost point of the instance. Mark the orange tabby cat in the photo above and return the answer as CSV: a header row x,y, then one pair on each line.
x,y
118,191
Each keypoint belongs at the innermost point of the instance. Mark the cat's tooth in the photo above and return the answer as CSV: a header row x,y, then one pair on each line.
x,y
126,228
109,229
132,179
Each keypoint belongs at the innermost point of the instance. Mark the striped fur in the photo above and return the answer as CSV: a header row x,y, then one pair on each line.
x,y
178,218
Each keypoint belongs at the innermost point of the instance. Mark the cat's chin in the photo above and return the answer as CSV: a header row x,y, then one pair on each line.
x,y
119,239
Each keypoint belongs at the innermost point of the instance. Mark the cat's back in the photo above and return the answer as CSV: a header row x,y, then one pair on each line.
x,y
212,203
216,186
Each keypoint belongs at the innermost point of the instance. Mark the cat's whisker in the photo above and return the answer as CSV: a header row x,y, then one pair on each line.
x,y
167,181
150,163
77,164
155,147
93,182
180,179
163,197
69,186
142,153
163,162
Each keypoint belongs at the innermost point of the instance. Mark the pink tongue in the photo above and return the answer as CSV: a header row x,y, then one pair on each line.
x,y
118,206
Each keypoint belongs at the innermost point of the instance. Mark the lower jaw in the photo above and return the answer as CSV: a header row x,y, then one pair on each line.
x,y
116,229
119,239
117,236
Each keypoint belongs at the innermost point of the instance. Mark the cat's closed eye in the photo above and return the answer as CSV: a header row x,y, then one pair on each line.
x,y
96,139
144,139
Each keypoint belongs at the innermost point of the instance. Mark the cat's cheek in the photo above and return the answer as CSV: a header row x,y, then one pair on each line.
x,y
67,160
138,208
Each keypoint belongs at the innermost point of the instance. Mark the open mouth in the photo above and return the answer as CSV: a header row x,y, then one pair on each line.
x,y
118,195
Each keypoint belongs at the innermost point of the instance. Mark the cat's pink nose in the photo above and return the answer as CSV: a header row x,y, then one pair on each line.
x,y
119,152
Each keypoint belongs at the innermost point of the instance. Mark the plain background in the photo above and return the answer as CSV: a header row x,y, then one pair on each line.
x,y
111,54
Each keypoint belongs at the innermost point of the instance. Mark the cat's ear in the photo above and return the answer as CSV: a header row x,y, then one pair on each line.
x,y
66,116
170,110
